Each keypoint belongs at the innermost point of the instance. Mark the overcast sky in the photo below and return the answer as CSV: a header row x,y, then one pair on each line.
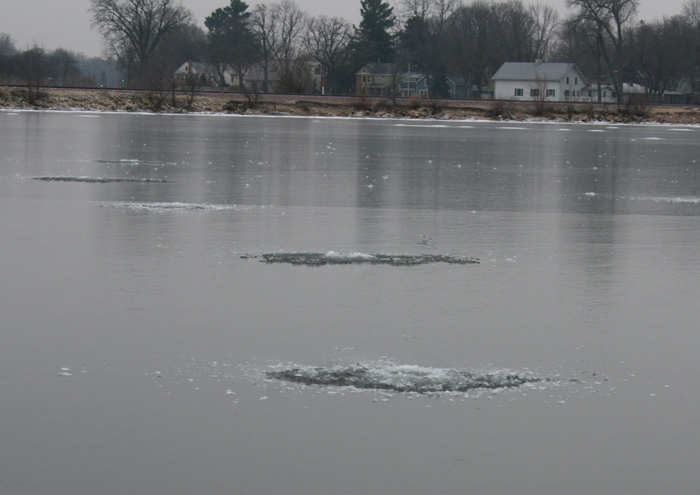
x,y
66,23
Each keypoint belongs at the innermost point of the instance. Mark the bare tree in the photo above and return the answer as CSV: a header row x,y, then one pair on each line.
x,y
582,41
546,21
691,11
327,41
659,52
264,25
516,31
609,18
425,38
35,69
184,42
474,34
65,69
291,62
8,52
133,29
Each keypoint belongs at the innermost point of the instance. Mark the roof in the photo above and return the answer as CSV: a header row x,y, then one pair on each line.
x,y
528,71
199,68
379,69
457,79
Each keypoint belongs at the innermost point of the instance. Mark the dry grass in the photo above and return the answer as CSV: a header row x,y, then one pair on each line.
x,y
132,101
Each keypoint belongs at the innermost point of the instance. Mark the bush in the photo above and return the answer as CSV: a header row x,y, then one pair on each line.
x,y
415,102
501,110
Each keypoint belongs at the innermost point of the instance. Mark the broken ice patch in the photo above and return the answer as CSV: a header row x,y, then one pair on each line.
x,y
403,378
336,258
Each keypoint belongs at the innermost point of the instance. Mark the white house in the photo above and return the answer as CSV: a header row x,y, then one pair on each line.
x,y
205,74
609,95
539,81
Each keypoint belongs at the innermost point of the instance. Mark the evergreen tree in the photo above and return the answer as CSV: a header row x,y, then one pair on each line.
x,y
374,41
232,43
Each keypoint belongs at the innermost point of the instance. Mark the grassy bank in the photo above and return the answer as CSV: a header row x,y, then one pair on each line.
x,y
306,105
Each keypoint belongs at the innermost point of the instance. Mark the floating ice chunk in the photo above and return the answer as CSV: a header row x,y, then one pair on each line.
x,y
661,199
178,206
389,377
349,256
336,258
99,180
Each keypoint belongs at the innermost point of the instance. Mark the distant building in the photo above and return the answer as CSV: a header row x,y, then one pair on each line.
x,y
378,79
254,79
204,74
682,93
387,80
539,81
609,95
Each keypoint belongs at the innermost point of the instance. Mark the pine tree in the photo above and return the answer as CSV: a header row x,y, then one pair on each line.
x,y
231,41
373,40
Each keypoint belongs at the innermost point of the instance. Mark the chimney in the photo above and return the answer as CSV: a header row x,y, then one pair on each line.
x,y
538,61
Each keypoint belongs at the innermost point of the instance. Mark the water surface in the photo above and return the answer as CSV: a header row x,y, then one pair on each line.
x,y
145,338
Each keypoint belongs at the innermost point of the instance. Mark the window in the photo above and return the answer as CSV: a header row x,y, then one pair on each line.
x,y
534,93
551,93
605,94
567,80
518,91
567,93
575,81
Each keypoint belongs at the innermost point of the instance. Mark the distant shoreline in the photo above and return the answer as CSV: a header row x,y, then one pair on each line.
x,y
22,98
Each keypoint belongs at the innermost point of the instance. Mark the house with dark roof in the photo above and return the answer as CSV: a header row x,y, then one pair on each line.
x,y
204,74
539,81
378,79
387,80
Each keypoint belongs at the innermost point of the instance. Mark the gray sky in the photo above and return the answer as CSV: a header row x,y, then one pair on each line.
x,y
66,23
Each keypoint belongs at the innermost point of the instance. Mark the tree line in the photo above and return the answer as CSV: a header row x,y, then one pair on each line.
x,y
35,66
149,39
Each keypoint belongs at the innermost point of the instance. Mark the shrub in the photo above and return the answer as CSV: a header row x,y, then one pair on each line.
x,y
501,110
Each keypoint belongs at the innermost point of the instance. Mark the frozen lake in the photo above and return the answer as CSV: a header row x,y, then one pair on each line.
x,y
298,306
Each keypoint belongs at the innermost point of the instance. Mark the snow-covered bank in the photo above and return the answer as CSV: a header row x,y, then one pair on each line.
x,y
305,105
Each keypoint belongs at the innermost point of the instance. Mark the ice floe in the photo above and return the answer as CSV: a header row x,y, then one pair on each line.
x,y
674,200
100,180
134,161
65,372
403,378
336,258
178,206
